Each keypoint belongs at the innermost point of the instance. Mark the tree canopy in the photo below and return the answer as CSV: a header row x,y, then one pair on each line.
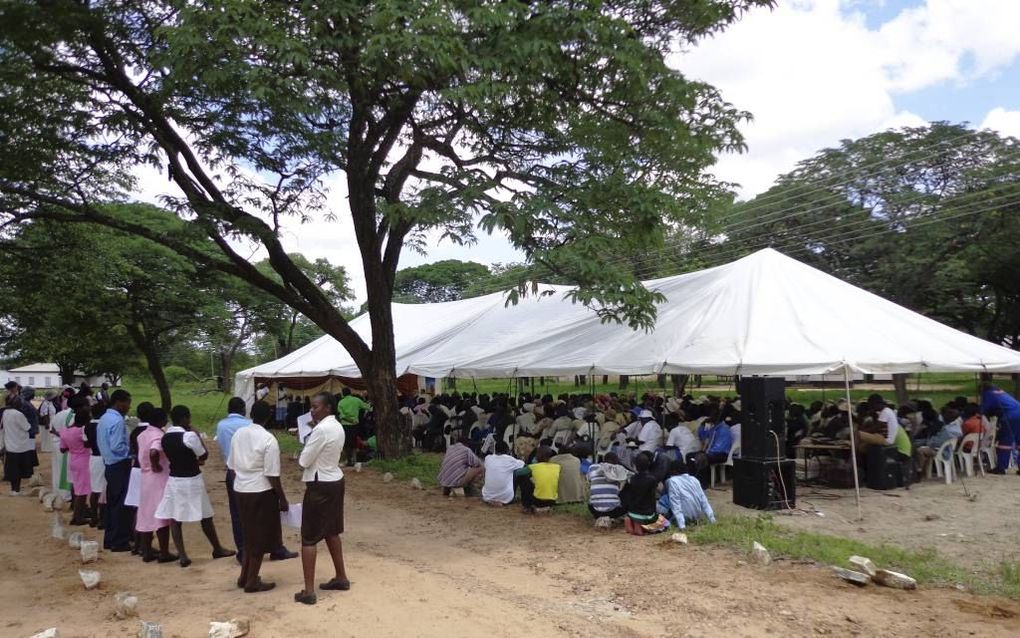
x,y
558,123
928,217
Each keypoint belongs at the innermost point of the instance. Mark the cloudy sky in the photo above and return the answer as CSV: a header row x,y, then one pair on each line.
x,y
812,72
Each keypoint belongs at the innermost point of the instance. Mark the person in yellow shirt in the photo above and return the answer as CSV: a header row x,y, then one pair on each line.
x,y
539,482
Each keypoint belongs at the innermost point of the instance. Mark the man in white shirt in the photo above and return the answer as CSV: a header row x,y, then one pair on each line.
x,y
255,460
649,437
683,440
322,510
498,489
887,416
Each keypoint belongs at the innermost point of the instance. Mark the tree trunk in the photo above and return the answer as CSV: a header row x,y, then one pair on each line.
x,y
154,365
394,440
661,380
624,381
900,384
605,379
679,384
66,373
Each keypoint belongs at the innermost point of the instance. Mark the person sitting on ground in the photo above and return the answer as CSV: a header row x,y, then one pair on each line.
x,y
570,488
606,479
681,442
185,499
498,488
649,437
539,482
460,468
684,501
639,497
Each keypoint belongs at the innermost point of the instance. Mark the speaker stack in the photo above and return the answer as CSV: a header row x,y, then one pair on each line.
x,y
763,478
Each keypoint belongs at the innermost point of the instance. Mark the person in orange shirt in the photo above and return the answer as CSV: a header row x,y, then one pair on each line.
x,y
972,420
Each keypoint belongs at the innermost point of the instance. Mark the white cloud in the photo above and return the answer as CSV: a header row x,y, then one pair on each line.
x,y
1003,121
812,72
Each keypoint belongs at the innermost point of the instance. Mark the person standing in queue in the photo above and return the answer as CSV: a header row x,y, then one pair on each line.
x,y
115,449
322,515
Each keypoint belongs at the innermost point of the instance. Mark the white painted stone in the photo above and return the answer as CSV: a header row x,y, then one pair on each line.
x,y
416,484
895,580
35,480
603,522
234,628
679,537
49,500
74,540
863,564
42,494
855,578
357,467
89,577
125,605
387,477
89,551
57,529
49,633
150,630
760,555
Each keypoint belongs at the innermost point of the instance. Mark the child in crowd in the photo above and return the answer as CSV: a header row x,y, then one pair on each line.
x,y
639,497
72,443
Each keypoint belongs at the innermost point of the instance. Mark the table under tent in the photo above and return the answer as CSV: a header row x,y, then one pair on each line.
x,y
765,315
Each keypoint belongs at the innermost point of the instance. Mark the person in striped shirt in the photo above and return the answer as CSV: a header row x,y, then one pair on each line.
x,y
604,496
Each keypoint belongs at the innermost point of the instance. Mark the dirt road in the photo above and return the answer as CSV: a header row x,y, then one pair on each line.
x,y
422,565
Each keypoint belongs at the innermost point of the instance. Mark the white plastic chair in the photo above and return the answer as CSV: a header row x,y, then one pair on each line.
x,y
560,438
943,466
987,446
968,452
508,434
734,449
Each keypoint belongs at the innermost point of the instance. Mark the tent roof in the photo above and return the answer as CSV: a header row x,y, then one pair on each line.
x,y
765,314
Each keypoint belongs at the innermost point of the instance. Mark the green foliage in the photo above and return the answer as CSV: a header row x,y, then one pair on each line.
x,y
438,281
177,374
927,217
924,564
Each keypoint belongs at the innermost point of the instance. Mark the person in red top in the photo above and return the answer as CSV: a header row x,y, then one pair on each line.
x,y
972,420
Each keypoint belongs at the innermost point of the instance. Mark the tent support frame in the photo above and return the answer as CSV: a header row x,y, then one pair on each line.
x,y
853,440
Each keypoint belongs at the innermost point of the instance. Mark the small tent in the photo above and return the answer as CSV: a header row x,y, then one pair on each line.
x,y
765,314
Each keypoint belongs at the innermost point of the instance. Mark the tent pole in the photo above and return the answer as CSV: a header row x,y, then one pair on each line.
x,y
853,441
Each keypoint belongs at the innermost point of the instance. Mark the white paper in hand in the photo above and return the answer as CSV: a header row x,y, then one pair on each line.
x,y
292,517
304,426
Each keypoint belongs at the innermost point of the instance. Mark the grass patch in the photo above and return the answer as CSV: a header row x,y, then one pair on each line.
x,y
924,564
423,466
573,509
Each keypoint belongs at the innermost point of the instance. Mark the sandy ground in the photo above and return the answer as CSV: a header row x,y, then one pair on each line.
x,y
978,532
422,565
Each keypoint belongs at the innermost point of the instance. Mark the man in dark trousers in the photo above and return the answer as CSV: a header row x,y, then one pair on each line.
x,y
115,449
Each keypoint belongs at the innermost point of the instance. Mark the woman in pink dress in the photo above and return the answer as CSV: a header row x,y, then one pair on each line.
x,y
72,442
155,471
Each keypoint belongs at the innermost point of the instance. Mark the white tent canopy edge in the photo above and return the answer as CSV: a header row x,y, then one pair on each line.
x,y
765,314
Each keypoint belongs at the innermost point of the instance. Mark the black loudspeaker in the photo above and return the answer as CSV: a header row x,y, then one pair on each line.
x,y
764,485
763,408
882,468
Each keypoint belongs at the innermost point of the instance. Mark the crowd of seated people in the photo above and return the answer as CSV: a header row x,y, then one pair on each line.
x,y
648,460
641,461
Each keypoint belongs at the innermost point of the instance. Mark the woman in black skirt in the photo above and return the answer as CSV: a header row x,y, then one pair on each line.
x,y
19,455
255,459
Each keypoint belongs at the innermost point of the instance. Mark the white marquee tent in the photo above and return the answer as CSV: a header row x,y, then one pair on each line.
x,y
765,314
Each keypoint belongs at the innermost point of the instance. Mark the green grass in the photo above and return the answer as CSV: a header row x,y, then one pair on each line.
x,y
924,564
423,466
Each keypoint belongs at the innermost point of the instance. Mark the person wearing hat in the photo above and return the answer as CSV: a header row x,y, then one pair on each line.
x,y
649,437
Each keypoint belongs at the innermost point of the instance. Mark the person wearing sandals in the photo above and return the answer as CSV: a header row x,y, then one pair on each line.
x,y
255,460
185,499
322,509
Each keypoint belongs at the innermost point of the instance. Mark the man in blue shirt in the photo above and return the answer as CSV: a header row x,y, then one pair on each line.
x,y
225,430
996,402
112,437
716,440
684,499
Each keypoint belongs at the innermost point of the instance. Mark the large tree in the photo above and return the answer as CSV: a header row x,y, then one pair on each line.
x,y
439,281
928,217
557,122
